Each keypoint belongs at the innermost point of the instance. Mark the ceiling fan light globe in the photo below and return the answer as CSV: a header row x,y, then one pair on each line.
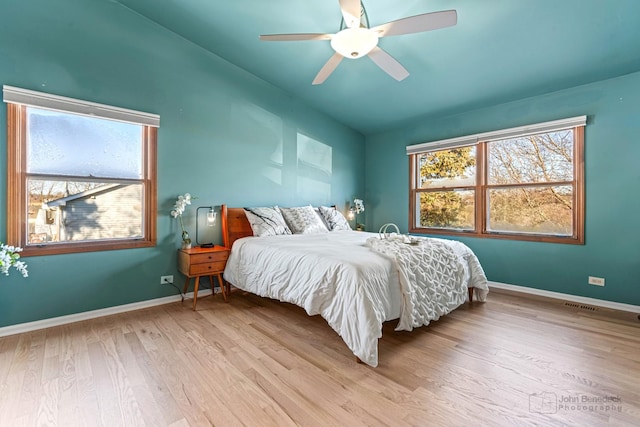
x,y
354,43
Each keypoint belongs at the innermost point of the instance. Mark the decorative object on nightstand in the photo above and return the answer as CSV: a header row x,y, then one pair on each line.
x,y
211,220
178,209
354,210
197,262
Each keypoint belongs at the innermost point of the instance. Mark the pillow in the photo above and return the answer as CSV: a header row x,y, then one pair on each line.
x,y
266,221
304,220
324,221
334,218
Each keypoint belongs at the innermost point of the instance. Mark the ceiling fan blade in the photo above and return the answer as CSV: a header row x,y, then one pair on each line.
x,y
328,68
351,12
294,37
418,23
388,64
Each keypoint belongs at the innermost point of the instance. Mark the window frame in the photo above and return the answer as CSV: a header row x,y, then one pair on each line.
x,y
17,197
482,187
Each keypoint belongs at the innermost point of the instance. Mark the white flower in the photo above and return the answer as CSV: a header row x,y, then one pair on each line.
x,y
9,257
179,207
359,205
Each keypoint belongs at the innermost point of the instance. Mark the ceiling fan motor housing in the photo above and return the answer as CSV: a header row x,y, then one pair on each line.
x,y
354,42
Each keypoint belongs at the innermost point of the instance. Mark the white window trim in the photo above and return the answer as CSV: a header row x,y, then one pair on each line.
x,y
519,131
31,98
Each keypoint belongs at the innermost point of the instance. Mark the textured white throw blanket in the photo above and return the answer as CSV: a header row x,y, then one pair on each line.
x,y
434,276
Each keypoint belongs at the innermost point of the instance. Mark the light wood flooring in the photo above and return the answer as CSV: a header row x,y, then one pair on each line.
x,y
511,361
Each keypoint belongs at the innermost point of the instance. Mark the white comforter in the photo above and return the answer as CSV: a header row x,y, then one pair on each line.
x,y
335,275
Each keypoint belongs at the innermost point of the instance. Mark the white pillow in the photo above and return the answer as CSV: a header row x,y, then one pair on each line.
x,y
334,219
303,220
266,221
324,221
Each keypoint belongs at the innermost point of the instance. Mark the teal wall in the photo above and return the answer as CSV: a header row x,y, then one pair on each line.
x,y
229,137
225,136
612,155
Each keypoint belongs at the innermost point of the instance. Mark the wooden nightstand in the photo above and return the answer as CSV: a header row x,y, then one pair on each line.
x,y
197,262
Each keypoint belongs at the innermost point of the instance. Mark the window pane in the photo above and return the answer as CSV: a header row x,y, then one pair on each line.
x,y
68,144
538,210
546,157
60,211
447,168
448,209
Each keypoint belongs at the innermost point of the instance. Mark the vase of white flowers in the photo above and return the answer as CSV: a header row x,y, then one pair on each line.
x,y
358,206
9,256
178,209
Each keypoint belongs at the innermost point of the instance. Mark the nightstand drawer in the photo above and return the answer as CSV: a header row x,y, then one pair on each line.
x,y
206,268
220,256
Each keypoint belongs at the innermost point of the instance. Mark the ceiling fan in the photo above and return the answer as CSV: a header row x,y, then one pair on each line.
x,y
356,39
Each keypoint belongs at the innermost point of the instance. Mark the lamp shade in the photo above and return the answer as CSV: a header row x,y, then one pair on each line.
x,y
209,221
211,217
354,42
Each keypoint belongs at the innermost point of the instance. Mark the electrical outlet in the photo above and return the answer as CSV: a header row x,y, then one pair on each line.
x,y
597,281
166,279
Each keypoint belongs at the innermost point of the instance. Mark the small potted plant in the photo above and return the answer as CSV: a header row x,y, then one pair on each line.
x,y
178,209
358,207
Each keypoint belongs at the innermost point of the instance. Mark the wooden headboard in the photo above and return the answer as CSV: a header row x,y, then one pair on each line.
x,y
235,225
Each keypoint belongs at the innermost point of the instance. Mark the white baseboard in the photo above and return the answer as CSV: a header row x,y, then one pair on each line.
x,y
573,298
63,320
71,318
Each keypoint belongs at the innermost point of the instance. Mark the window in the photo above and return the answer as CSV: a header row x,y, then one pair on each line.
x,y
81,176
524,183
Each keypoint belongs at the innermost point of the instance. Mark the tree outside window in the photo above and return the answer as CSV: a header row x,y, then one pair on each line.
x,y
527,187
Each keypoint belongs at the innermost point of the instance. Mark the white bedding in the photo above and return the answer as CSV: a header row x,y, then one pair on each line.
x,y
354,288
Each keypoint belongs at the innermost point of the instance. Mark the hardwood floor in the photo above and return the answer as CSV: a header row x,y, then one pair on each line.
x,y
513,360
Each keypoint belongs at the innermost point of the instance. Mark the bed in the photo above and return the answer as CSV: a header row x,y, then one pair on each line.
x,y
354,280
